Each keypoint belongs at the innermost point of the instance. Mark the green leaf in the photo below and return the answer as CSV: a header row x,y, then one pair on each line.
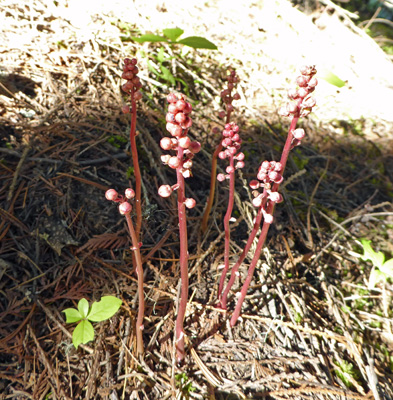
x,y
376,276
72,315
369,254
104,309
152,69
166,74
149,37
198,42
83,333
173,34
387,268
83,307
160,55
331,78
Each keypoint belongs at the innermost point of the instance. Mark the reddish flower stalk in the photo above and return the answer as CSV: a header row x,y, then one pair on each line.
x,y
132,86
178,123
231,142
125,209
270,175
227,98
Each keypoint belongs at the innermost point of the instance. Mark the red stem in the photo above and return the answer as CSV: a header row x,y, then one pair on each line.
x,y
183,259
137,172
227,217
266,226
139,271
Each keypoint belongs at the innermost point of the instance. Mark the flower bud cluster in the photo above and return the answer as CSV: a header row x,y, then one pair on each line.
x,y
178,122
231,142
227,96
124,206
306,83
133,84
269,173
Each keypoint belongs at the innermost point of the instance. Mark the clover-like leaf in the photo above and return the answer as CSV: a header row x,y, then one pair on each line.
x,y
83,333
376,276
149,37
377,259
198,42
387,268
72,315
104,309
173,34
83,307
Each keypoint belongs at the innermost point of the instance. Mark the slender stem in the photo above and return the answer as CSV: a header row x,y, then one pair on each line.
x,y
265,226
139,271
213,178
137,171
183,260
235,268
227,217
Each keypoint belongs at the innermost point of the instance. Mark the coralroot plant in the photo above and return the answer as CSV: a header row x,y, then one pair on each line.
x,y
270,174
178,123
231,143
132,86
227,98
125,209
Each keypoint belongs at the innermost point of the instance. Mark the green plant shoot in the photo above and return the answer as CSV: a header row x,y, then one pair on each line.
x,y
382,270
171,36
99,311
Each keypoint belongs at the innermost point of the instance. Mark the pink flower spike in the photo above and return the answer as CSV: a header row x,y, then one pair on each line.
x,y
111,194
125,208
130,194
165,191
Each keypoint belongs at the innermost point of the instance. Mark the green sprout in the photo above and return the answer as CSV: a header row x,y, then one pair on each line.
x,y
382,270
99,311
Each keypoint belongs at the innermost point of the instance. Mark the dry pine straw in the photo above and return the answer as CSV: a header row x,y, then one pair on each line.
x,y
60,241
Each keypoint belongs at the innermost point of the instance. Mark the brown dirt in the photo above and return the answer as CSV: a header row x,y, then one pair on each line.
x,y
309,329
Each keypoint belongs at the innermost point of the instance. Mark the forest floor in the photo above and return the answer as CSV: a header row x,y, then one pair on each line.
x,y
310,327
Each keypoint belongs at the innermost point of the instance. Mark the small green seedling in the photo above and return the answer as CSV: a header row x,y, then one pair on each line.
x,y
382,270
99,311
171,36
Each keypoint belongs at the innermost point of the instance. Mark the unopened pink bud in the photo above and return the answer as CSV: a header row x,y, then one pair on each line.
x,y
268,218
137,96
302,81
305,112
299,134
261,176
190,203
184,142
293,94
283,111
180,117
186,173
273,175
240,157
265,165
275,197
222,155
165,191
302,92
254,184
313,82
221,177
188,108
195,147
125,208
230,169
278,167
292,108
171,98
240,164
166,143
180,105
130,194
222,114
111,194
226,142
257,202
309,102
173,162
187,164
165,158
